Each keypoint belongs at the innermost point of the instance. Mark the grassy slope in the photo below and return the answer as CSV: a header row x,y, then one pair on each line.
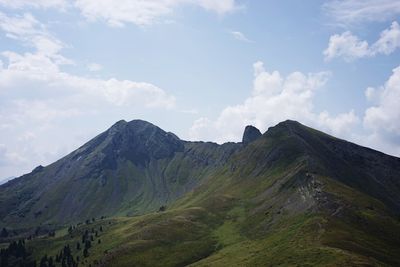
x,y
225,235
41,199
228,232
262,208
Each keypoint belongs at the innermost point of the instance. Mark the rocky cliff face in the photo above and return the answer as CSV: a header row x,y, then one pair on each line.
x,y
250,134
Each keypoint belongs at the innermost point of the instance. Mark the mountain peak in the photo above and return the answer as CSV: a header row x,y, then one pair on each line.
x,y
289,124
250,134
139,141
120,122
135,126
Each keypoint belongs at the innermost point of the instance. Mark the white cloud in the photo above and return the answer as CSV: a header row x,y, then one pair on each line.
x,y
339,125
274,98
370,93
41,102
220,7
347,46
384,117
117,13
41,71
240,36
33,3
350,47
388,41
31,32
357,11
94,67
4,157
43,67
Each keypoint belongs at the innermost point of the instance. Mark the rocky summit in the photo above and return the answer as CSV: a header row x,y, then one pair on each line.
x,y
136,195
250,134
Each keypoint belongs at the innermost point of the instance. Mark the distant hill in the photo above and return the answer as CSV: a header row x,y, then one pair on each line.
x,y
292,196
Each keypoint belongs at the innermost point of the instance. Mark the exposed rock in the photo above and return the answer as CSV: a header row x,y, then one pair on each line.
x,y
38,169
250,134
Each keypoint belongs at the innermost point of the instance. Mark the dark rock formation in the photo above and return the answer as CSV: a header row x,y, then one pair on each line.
x,y
250,134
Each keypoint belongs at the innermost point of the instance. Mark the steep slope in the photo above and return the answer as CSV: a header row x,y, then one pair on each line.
x,y
293,196
287,198
131,168
250,134
294,199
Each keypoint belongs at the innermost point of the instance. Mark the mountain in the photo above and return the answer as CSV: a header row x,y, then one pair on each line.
x,y
292,196
5,180
250,134
132,168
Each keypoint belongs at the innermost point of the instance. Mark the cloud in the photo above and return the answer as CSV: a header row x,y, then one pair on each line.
x,y
117,13
350,47
346,45
32,33
41,73
388,41
94,67
8,158
43,67
18,4
240,36
384,116
40,102
274,98
352,12
4,159
382,119
339,125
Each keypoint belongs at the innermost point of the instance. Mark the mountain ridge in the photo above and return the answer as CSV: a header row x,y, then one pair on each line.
x,y
324,200
137,144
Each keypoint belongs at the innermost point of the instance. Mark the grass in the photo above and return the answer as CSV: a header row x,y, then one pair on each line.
x,y
261,208
289,245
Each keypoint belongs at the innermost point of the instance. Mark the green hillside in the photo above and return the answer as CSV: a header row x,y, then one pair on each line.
x,y
290,197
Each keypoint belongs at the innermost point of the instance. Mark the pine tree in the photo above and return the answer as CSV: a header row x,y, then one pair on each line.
x,y
4,232
50,262
85,253
88,244
67,251
43,261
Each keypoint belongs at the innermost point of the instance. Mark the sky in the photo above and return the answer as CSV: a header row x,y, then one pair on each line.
x,y
203,69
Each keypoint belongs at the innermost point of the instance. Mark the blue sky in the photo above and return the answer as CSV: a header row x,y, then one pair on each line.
x,y
203,69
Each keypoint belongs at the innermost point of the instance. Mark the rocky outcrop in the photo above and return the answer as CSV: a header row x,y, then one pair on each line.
x,y
250,134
